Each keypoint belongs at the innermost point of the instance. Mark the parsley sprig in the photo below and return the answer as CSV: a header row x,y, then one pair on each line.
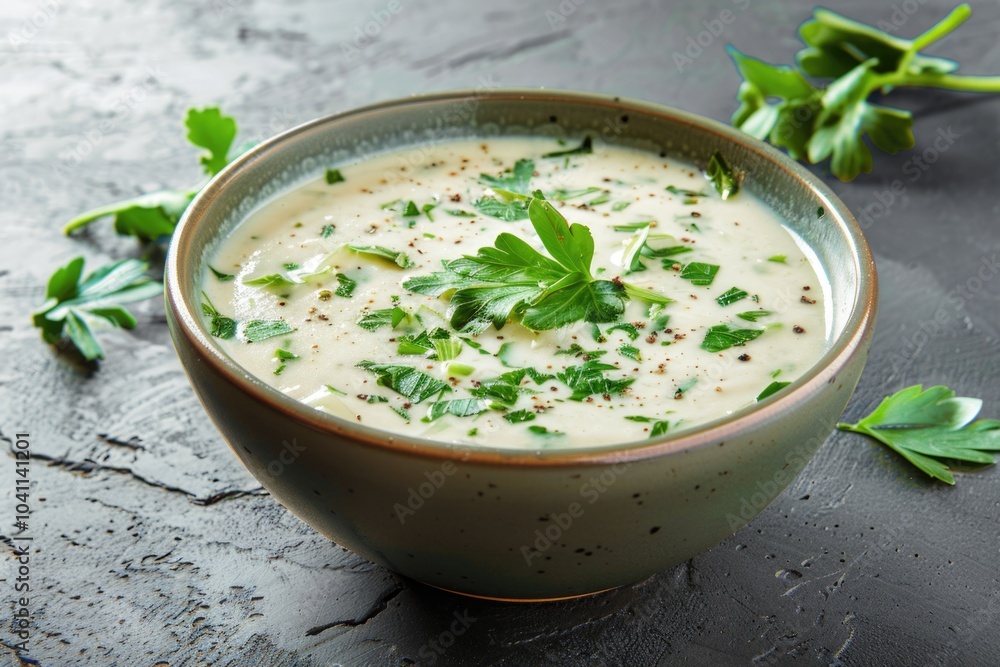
x,y
153,216
814,123
72,304
928,426
511,281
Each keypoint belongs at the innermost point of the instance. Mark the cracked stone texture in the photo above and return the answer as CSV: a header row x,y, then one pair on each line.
x,y
154,547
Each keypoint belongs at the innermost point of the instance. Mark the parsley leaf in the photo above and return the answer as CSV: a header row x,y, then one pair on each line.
x,y
721,175
520,416
71,303
780,105
222,277
400,259
771,389
345,285
588,379
153,216
630,352
731,296
699,273
406,380
334,176
462,407
585,147
721,337
754,315
508,387
252,331
374,320
509,211
514,180
512,281
924,426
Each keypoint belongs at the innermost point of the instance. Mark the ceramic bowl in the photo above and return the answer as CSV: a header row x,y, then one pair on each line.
x,y
522,525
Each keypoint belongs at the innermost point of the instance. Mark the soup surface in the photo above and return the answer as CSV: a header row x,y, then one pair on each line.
x,y
350,294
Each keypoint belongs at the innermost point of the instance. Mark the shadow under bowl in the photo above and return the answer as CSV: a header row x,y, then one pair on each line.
x,y
511,524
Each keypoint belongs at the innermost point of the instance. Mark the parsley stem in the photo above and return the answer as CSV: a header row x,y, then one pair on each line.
x,y
965,83
93,214
955,18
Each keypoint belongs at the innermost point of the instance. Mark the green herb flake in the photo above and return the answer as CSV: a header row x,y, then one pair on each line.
x,y
630,352
699,273
771,389
222,277
462,407
928,427
407,381
731,296
334,176
519,416
327,231
400,259
722,176
778,259
754,315
345,285
585,147
722,337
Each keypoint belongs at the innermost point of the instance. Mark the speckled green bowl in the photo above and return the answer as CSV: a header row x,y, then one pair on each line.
x,y
522,525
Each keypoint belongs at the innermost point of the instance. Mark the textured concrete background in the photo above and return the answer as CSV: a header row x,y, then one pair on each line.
x,y
152,546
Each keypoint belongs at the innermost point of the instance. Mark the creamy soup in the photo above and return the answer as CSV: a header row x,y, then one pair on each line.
x,y
417,294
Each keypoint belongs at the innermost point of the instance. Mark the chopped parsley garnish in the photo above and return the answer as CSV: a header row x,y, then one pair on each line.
x,y
410,210
373,320
508,387
586,146
514,180
721,175
222,277
589,378
674,190
519,416
630,329
544,432
731,296
928,426
70,302
699,273
461,407
334,176
406,380
327,231
772,389
754,315
576,350
459,213
511,210
282,355
779,259
620,205
721,337
345,286
511,281
400,259
562,195
630,352
257,330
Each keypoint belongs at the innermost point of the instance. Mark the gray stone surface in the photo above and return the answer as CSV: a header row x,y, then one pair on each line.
x,y
152,546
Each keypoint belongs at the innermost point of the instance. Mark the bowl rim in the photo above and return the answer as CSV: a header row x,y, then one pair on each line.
x,y
856,329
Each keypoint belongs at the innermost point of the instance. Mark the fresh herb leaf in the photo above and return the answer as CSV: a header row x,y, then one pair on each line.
x,y
519,416
630,352
410,210
510,211
255,331
722,337
401,259
514,180
327,231
585,147
544,432
334,176
928,426
589,378
222,327
210,129
780,105
222,277
771,389
685,387
562,195
345,285
630,329
633,226
681,192
620,205
459,213
731,296
508,387
462,407
780,259
754,315
374,320
576,350
600,199
726,184
699,273
70,302
406,380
